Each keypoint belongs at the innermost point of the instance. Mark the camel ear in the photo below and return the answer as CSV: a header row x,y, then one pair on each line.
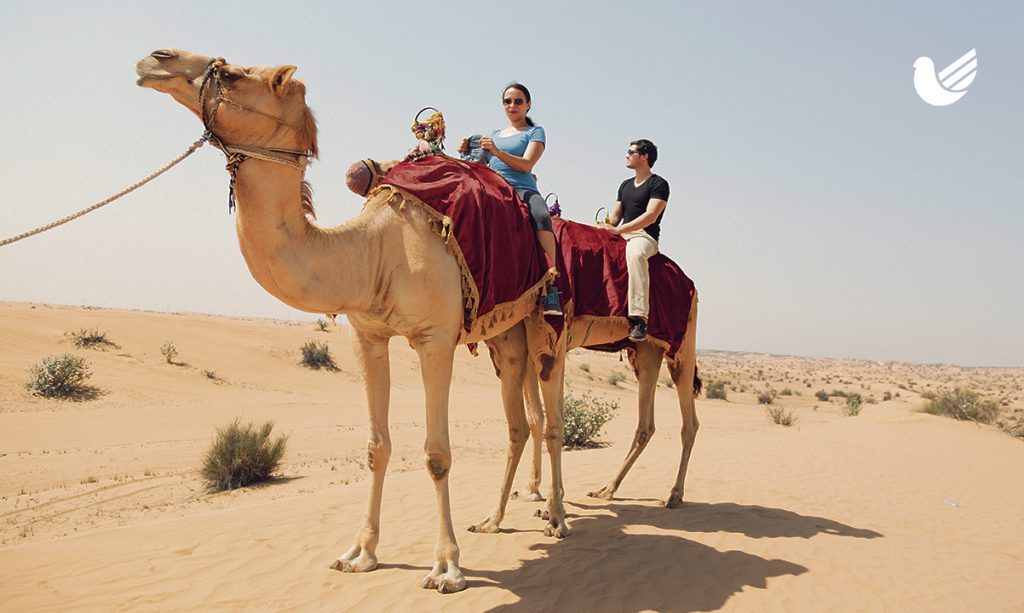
x,y
282,77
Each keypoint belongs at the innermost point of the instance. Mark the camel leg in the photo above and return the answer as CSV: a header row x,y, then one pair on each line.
x,y
551,370
647,363
682,370
535,418
436,351
508,352
372,354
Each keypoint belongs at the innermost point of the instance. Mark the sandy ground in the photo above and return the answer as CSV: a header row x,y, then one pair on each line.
x,y
102,507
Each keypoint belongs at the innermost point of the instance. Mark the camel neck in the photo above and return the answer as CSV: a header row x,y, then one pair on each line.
x,y
306,267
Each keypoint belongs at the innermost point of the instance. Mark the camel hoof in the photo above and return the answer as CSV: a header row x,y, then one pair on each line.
x,y
485,527
445,583
450,586
559,531
674,502
605,493
362,564
528,497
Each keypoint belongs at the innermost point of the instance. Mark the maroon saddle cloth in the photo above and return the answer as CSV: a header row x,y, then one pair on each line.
x,y
592,275
496,247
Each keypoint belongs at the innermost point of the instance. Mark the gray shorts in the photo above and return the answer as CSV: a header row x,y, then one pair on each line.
x,y
540,217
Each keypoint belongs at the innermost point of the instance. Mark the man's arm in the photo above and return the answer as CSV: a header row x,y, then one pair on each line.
x,y
616,215
655,207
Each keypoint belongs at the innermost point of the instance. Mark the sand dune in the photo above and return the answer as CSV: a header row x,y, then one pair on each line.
x,y
102,507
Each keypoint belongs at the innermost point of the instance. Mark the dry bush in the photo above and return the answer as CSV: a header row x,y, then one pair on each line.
x,y
584,417
780,416
615,378
963,404
242,455
716,390
89,339
169,351
854,403
317,356
59,376
767,396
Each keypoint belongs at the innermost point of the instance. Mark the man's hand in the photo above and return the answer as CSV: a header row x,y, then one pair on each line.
x,y
610,228
463,146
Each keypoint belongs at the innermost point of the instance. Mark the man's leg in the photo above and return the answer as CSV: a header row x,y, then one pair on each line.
x,y
639,248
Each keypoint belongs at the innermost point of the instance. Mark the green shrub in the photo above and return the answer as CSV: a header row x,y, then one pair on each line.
x,y
887,396
854,403
242,455
716,390
821,395
616,378
59,376
317,356
963,404
584,417
766,397
169,351
780,416
87,339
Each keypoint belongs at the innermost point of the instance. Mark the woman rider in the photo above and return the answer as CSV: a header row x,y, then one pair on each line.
x,y
514,151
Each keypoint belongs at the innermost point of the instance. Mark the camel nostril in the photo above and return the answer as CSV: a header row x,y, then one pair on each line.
x,y
163,54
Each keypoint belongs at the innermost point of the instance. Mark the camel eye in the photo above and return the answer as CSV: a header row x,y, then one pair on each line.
x,y
230,77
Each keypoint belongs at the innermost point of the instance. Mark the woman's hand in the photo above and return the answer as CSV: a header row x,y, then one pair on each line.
x,y
463,146
487,144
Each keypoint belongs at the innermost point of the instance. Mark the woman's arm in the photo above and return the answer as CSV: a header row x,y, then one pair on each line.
x,y
519,164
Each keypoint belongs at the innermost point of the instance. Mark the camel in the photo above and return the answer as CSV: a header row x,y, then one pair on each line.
x,y
386,269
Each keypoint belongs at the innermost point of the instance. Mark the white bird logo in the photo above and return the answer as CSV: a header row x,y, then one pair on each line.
x,y
948,86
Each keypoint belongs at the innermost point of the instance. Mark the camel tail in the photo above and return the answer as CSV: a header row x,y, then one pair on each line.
x,y
698,385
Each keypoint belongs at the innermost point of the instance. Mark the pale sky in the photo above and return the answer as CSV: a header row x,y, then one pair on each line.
x,y
820,206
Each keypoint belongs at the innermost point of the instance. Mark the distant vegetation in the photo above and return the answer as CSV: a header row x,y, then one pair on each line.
x,y
242,455
60,376
821,395
963,404
169,351
716,390
584,416
322,325
89,339
616,378
854,403
767,396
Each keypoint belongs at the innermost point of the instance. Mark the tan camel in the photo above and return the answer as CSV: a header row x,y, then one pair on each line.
x,y
386,270
646,363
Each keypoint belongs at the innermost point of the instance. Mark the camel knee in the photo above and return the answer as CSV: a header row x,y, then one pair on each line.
x,y
378,453
438,464
644,435
517,436
690,434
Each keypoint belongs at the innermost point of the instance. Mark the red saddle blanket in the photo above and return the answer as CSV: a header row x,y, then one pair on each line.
x,y
592,274
496,246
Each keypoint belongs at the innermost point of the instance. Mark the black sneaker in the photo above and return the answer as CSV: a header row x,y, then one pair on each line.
x,y
639,330
552,304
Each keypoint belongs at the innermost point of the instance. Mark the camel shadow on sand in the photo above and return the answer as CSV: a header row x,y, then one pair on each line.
x,y
662,572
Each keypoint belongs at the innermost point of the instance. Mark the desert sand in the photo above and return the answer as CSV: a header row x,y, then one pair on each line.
x,y
103,507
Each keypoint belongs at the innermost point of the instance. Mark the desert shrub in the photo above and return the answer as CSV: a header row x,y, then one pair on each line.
x,y
928,395
317,356
716,390
616,378
766,397
963,404
59,376
169,351
1014,426
584,416
854,403
585,367
322,325
668,382
780,416
87,339
838,394
242,455
786,392
887,396
821,395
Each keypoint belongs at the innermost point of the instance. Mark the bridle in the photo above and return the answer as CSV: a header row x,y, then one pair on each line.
x,y
236,154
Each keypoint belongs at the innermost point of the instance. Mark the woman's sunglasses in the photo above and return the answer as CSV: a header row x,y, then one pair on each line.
x,y
511,101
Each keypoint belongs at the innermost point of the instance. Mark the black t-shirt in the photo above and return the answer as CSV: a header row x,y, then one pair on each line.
x,y
635,200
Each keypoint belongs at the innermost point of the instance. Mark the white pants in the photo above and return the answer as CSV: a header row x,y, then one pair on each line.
x,y
639,248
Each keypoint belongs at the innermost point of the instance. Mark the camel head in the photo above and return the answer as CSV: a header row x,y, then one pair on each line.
x,y
254,106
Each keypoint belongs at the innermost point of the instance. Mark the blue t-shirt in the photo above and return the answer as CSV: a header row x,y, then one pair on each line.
x,y
516,145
